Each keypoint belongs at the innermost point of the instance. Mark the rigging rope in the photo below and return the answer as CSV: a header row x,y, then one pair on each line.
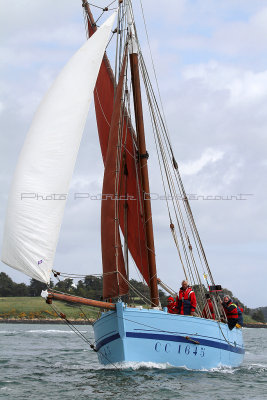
x,y
81,336
190,254
92,346
172,177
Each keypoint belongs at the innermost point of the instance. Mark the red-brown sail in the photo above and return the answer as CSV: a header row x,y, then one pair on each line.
x,y
114,282
104,99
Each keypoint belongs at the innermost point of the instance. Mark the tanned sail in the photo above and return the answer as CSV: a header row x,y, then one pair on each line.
x,y
114,284
130,181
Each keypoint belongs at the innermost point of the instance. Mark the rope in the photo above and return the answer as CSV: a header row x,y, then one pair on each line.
x,y
223,334
162,146
143,297
75,330
101,8
81,336
191,256
176,333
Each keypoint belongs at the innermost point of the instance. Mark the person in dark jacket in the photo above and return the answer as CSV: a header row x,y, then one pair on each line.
x,y
232,312
240,314
172,308
186,300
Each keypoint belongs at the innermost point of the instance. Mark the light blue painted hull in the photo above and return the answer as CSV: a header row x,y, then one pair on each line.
x,y
140,335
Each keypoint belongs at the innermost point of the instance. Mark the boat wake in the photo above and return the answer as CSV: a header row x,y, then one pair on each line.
x,y
249,368
134,366
52,331
40,331
222,369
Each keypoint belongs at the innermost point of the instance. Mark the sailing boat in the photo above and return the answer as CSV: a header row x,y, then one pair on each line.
x,y
44,169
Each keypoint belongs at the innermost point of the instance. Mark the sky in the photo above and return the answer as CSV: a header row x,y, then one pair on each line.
x,y
211,64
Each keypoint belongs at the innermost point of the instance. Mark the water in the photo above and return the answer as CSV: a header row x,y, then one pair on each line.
x,y
49,361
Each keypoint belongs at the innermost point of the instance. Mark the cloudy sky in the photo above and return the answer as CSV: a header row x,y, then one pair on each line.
x,y
211,63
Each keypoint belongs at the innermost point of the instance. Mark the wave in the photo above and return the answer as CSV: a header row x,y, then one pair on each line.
x,y
134,365
255,367
41,332
243,368
5,389
52,331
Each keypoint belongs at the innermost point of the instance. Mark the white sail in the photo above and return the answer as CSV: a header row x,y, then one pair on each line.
x,y
43,173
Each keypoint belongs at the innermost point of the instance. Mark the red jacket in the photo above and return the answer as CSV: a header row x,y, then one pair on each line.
x,y
186,301
230,310
172,308
208,311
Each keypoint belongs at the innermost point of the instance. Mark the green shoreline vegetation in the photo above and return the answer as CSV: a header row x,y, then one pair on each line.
x,y
19,301
35,308
30,308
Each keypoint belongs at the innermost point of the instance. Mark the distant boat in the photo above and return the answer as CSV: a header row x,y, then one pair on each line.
x,y
40,187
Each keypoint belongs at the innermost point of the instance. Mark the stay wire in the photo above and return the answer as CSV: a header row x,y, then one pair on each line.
x,y
81,336
144,72
144,298
167,173
159,112
154,128
101,8
154,70
75,330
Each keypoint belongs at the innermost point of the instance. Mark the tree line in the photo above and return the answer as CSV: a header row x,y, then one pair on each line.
x,y
91,287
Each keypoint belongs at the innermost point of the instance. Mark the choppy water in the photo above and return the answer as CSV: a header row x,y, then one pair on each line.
x,y
49,361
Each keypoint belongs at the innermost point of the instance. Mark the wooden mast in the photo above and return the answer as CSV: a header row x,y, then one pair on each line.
x,y
143,156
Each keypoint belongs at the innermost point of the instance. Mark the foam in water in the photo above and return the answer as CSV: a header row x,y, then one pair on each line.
x,y
52,331
137,365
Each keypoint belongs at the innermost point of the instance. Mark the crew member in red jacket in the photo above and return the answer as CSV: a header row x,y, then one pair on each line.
x,y
208,311
231,312
172,308
186,300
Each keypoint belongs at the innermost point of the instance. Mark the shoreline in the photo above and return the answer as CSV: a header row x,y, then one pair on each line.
x,y
45,321
81,322
259,325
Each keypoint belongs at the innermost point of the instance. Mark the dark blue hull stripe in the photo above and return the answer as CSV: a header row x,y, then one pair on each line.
x,y
107,340
182,339
172,338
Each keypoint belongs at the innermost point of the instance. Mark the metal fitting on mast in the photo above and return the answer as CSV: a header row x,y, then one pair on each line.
x,y
133,47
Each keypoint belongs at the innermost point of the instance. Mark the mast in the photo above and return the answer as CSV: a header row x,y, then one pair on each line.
x,y
125,206
143,156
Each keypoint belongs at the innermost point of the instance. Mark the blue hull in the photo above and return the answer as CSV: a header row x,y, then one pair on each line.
x,y
140,335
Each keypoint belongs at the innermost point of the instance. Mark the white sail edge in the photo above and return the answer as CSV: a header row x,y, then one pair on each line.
x,y
42,177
